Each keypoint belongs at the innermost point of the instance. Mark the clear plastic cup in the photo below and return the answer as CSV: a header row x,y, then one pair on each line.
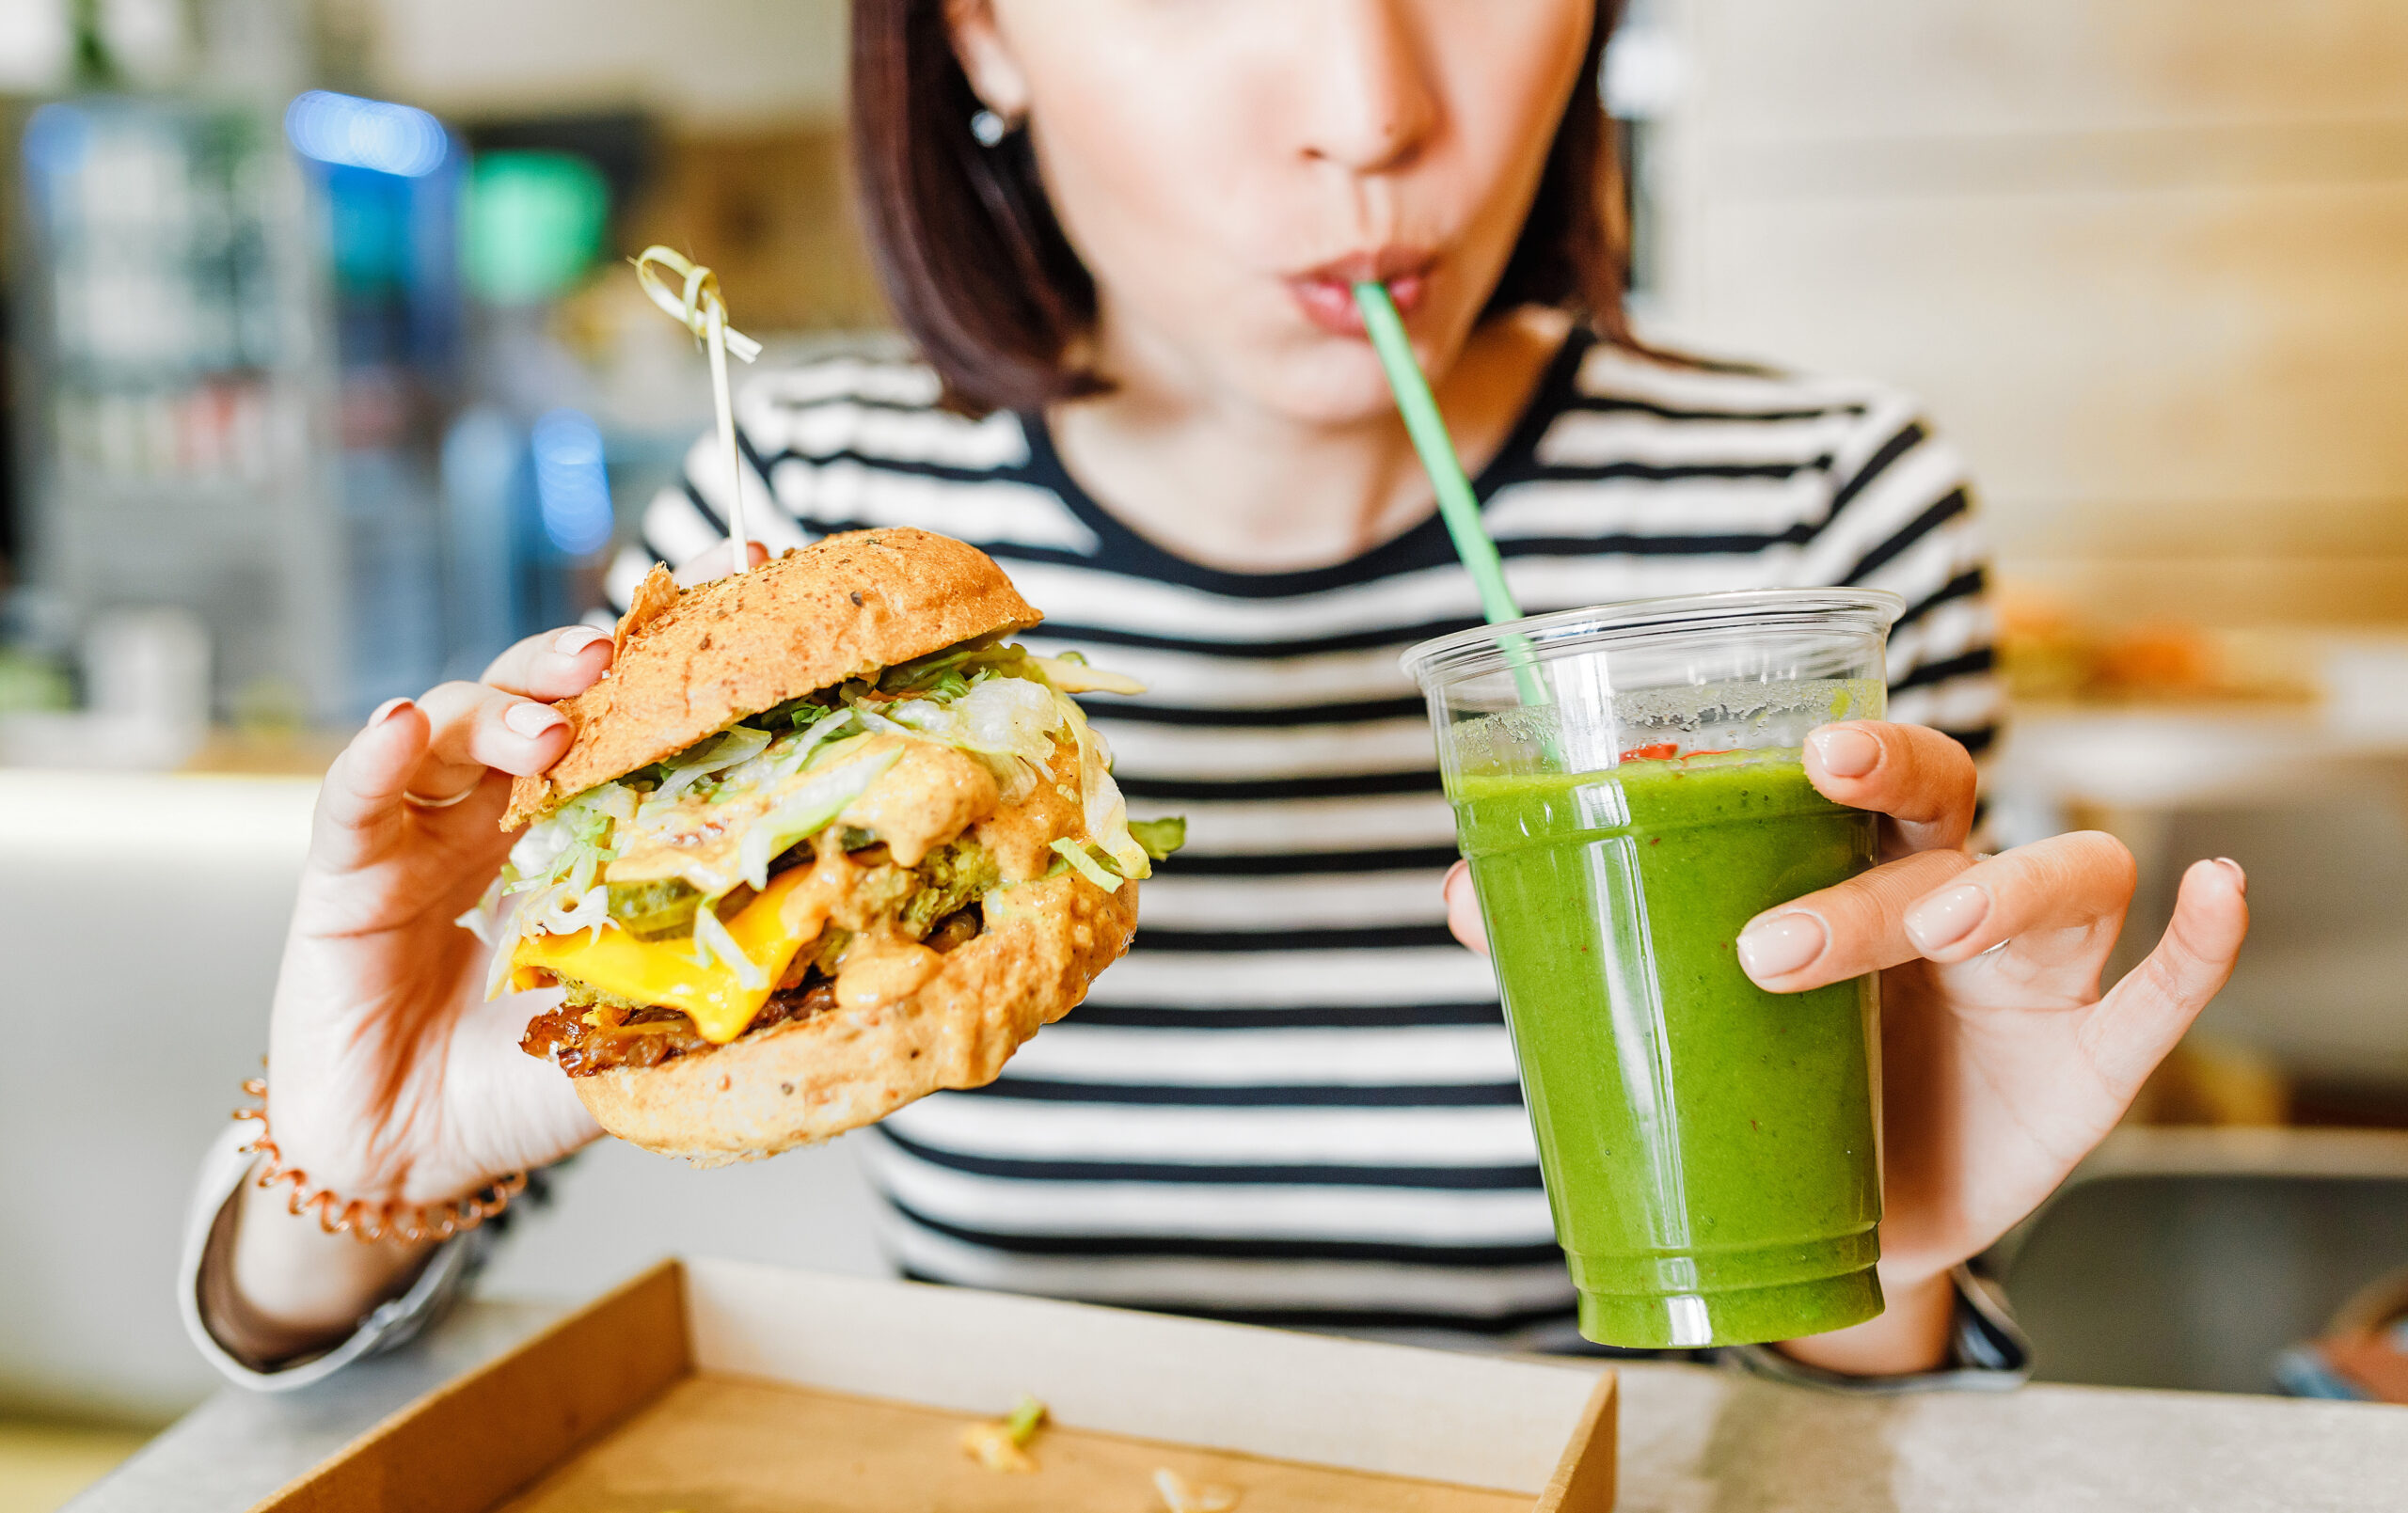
x,y
1627,787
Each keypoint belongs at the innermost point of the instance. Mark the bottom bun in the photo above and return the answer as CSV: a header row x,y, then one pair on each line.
x,y
805,1080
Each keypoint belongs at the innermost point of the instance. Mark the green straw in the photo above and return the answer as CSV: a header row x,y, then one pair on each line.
x,y
1457,504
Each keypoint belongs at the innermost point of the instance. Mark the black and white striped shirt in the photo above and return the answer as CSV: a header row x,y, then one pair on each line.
x,y
1294,1101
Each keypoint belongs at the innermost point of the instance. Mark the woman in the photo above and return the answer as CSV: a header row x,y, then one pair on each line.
x,y
1122,233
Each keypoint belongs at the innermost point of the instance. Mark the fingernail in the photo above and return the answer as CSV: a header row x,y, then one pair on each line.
x,y
1944,918
532,720
388,710
1846,752
1781,945
2239,876
576,639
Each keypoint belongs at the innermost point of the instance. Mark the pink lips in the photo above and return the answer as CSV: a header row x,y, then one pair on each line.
x,y
1326,294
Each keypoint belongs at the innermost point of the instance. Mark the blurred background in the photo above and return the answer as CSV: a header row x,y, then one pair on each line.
x,y
324,381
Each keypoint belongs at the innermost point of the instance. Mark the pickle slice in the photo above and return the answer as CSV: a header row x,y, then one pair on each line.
x,y
663,908
657,909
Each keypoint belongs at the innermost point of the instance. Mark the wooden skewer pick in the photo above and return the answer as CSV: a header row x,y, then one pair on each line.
x,y
699,307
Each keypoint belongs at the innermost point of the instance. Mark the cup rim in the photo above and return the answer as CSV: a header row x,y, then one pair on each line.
x,y
1463,652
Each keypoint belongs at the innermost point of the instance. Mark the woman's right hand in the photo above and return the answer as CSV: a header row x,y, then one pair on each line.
x,y
390,1076
390,1079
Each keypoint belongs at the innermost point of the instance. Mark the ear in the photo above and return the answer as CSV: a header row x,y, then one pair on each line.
x,y
986,57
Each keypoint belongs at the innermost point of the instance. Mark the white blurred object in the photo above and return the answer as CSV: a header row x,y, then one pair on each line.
x,y
147,38
146,680
35,45
1645,73
2366,684
152,663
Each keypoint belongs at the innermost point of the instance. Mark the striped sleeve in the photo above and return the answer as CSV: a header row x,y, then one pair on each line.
x,y
1901,517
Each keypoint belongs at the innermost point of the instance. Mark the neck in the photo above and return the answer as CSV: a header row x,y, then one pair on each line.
x,y
1230,485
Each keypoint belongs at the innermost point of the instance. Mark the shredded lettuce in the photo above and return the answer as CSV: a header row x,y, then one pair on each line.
x,y
998,716
730,748
712,938
1027,1415
559,861
478,918
591,908
817,735
1083,862
949,673
1105,811
1070,673
1159,838
805,813
988,698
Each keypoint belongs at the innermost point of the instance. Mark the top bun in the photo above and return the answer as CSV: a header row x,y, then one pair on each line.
x,y
690,663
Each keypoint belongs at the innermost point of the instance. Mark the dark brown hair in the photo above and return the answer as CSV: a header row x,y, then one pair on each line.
x,y
979,274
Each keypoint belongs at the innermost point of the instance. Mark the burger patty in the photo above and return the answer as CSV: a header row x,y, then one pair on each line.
x,y
648,1037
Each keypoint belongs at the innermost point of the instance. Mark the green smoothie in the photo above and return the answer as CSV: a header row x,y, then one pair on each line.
x,y
1708,1146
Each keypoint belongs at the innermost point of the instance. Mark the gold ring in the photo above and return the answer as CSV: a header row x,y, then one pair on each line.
x,y
421,801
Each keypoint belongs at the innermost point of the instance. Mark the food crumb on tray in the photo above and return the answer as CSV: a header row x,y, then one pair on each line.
x,y
1002,1444
1179,1495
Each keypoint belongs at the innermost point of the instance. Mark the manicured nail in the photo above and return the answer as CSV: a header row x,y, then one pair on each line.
x,y
532,720
1846,752
2239,876
576,639
1781,945
388,710
1944,918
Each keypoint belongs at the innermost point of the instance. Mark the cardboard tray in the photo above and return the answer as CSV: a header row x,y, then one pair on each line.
x,y
718,1386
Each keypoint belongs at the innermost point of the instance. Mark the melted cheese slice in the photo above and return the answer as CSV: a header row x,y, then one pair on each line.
x,y
787,916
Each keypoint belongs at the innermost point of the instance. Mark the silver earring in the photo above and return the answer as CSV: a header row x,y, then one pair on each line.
x,y
988,128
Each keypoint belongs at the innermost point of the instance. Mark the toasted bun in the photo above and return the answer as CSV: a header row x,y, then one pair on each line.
x,y
693,662
805,1080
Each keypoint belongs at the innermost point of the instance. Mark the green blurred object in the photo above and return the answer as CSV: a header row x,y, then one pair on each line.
x,y
29,682
533,224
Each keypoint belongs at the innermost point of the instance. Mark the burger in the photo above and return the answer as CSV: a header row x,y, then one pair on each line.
x,y
824,841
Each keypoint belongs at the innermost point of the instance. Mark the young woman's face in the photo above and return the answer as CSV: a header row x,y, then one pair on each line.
x,y
1226,168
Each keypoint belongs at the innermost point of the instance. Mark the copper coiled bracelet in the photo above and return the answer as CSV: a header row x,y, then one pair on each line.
x,y
366,1222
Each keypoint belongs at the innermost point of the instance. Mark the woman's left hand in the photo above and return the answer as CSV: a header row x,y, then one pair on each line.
x,y
2003,1062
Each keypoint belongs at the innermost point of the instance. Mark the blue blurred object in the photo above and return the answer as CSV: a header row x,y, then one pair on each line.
x,y
56,138
2362,1356
2302,1371
347,132
533,222
476,495
482,454
572,490
390,180
528,519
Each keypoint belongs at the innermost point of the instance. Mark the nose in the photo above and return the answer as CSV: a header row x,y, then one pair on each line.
x,y
1372,102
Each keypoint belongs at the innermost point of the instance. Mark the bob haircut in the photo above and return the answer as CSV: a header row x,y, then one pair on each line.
x,y
980,276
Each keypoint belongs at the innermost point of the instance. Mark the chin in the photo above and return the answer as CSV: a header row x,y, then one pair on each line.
x,y
1322,380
